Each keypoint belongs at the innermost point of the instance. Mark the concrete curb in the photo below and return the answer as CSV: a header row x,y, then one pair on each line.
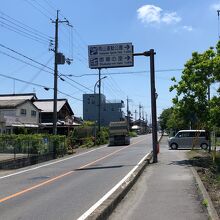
x,y
107,207
205,196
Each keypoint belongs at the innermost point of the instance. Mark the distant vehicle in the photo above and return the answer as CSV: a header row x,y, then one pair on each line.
x,y
189,139
118,133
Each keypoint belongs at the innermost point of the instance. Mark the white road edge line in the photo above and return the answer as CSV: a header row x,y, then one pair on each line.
x,y
109,193
48,164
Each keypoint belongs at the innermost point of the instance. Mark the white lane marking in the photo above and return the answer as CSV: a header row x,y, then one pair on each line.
x,y
109,193
48,164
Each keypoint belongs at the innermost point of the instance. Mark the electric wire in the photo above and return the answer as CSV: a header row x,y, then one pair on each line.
x,y
35,76
22,33
38,85
77,83
59,75
43,13
16,52
44,8
24,81
6,54
28,28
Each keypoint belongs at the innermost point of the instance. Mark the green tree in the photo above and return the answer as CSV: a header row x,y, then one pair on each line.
x,y
164,117
191,101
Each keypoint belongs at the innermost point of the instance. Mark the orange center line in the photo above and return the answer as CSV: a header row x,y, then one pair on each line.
x,y
61,176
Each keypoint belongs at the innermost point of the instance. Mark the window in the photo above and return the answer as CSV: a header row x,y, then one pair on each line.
x,y
23,111
33,113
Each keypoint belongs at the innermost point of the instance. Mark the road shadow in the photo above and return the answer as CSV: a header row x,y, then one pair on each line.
x,y
99,168
104,167
181,163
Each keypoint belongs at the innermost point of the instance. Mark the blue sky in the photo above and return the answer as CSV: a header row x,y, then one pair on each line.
x,y
173,28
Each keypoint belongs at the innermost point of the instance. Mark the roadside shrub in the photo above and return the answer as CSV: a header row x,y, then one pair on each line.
x,y
132,134
33,144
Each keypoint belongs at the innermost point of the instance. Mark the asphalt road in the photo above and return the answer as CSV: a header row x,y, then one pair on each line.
x,y
67,188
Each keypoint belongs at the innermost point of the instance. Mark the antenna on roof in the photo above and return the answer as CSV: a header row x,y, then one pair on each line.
x,y
13,87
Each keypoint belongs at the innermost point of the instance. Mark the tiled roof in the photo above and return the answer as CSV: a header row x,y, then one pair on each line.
x,y
27,96
47,105
10,103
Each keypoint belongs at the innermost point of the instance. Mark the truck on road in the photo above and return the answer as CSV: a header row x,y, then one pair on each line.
x,y
119,133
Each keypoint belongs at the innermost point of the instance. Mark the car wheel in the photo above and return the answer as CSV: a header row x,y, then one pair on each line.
x,y
174,146
204,146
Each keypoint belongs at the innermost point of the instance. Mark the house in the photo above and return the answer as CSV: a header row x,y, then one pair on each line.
x,y
65,115
18,110
18,113
109,110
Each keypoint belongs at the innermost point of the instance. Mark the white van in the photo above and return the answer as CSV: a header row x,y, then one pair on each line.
x,y
189,139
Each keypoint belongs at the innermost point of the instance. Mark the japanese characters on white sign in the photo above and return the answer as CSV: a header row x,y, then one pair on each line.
x,y
110,55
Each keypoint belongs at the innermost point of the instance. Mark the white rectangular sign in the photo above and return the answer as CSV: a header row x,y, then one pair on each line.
x,y
110,55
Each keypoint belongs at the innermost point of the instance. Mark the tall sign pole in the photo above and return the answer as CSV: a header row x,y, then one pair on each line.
x,y
151,54
121,55
153,105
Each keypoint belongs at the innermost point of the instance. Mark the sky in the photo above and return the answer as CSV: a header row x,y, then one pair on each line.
x,y
173,28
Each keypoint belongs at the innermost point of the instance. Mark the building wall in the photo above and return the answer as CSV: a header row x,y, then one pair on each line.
x,y
109,111
15,114
28,117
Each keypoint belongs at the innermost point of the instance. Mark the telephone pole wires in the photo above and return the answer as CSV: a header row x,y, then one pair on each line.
x,y
59,58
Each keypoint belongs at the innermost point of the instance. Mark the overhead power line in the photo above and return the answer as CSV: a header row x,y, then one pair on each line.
x,y
26,30
23,81
37,8
6,54
78,83
20,54
38,85
24,34
30,29
42,65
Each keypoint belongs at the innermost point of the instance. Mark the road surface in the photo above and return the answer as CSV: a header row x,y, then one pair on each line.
x,y
67,188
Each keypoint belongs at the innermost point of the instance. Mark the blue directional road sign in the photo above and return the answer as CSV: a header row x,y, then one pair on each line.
x,y
111,55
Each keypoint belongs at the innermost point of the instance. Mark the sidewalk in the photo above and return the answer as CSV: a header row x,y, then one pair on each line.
x,y
165,191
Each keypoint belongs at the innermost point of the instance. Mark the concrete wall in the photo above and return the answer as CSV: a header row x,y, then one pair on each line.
x,y
109,111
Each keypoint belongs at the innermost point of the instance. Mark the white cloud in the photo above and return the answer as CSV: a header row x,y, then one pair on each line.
x,y
170,18
188,28
215,6
149,14
152,14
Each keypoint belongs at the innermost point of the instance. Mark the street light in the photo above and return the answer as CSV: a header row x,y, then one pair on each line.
x,y
99,106
99,83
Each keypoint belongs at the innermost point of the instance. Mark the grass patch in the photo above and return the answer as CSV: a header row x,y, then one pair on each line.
x,y
209,172
205,202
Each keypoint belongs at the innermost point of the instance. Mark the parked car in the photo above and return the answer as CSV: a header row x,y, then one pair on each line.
x,y
189,139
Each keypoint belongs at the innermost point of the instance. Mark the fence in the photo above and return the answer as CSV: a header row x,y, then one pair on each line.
x,y
20,150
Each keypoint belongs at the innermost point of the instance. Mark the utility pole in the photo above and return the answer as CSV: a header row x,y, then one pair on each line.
x,y
143,113
128,114
140,111
135,115
55,76
59,58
